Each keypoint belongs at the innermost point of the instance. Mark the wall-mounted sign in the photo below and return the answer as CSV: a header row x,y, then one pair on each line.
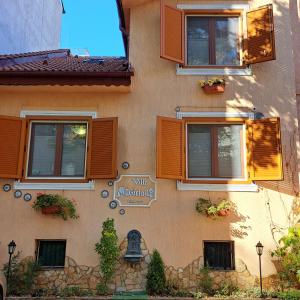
x,y
135,190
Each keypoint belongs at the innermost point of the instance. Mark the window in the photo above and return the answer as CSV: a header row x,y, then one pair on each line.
x,y
57,150
217,37
215,151
219,255
51,253
212,41
71,150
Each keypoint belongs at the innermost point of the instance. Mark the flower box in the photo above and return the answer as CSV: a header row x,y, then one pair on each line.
x,y
214,89
51,210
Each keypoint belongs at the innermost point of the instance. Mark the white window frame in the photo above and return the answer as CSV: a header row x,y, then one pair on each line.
x,y
218,71
218,187
54,185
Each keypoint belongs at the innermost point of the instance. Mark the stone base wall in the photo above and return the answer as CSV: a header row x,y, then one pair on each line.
x,y
132,277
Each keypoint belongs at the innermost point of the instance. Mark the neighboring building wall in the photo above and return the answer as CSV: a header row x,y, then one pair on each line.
x,y
171,224
29,25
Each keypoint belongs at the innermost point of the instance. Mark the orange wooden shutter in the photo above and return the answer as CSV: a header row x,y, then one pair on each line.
x,y
260,43
172,33
264,149
12,143
102,153
169,148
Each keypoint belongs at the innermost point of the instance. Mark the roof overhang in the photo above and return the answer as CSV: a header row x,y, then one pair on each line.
x,y
66,78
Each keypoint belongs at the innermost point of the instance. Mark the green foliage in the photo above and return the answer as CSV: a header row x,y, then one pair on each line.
x,y
204,206
290,295
211,82
206,282
21,276
66,207
198,295
226,289
288,253
172,289
71,291
102,289
156,278
108,250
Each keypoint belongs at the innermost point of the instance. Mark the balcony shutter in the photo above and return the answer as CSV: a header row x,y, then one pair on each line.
x,y
102,152
12,143
264,149
260,43
172,33
169,148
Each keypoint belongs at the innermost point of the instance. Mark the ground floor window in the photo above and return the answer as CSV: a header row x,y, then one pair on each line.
x,y
219,255
51,253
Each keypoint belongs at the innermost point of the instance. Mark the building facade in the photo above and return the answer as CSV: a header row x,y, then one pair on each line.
x,y
141,131
30,25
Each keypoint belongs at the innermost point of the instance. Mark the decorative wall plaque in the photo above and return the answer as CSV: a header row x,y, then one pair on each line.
x,y
27,197
135,190
104,194
18,194
6,187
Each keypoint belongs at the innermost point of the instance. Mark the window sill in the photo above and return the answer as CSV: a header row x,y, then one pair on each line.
x,y
82,186
217,71
217,187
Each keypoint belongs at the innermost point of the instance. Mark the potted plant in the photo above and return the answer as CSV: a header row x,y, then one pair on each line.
x,y
55,204
212,210
213,86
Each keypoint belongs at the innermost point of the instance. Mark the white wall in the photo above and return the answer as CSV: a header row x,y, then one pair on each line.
x,y
29,25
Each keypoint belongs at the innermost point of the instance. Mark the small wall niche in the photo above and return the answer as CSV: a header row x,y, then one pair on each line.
x,y
134,251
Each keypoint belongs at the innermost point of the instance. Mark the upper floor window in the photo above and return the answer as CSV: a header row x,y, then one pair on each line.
x,y
57,150
201,38
218,150
212,41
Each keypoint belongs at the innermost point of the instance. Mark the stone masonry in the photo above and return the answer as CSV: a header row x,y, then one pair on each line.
x,y
132,277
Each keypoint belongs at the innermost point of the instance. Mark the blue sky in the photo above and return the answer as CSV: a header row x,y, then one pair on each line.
x,y
92,25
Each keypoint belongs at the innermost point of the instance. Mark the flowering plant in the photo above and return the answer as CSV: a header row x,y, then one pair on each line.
x,y
205,206
65,208
211,82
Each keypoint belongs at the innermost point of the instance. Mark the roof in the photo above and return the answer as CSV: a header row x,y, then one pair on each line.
x,y
60,67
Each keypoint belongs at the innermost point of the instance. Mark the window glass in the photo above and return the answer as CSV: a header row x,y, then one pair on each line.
x,y
227,41
197,41
212,40
43,145
199,153
57,150
51,253
219,255
74,147
229,151
215,151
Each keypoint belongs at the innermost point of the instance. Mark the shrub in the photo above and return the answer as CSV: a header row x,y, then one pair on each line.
x,y
109,251
288,253
290,295
156,278
226,289
172,289
206,282
21,275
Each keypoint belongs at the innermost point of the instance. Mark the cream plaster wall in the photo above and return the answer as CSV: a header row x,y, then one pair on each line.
x,y
171,224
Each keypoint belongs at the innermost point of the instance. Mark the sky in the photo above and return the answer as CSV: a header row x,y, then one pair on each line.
x,y
92,25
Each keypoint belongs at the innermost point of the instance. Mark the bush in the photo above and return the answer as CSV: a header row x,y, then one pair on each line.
x,y
226,289
21,275
156,278
172,289
109,251
288,253
206,282
289,295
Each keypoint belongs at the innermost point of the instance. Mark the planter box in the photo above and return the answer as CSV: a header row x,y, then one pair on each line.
x,y
214,89
51,210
